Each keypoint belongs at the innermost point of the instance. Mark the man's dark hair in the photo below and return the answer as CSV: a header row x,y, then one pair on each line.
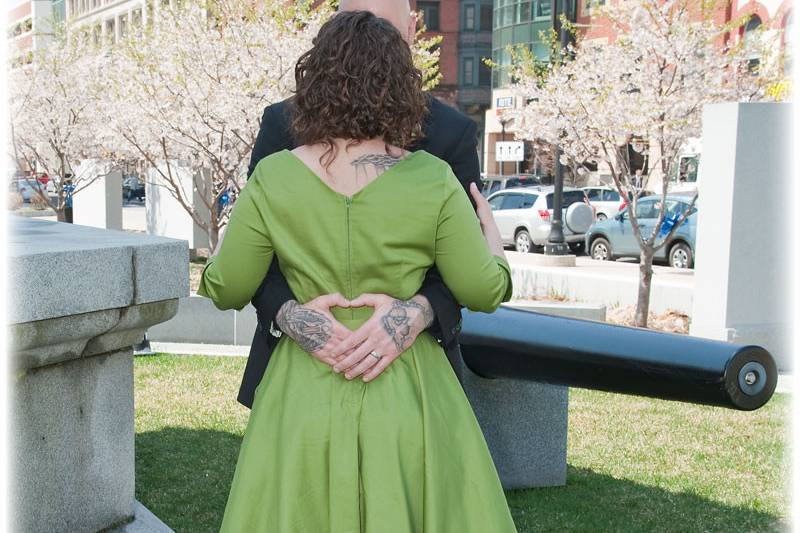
x,y
357,82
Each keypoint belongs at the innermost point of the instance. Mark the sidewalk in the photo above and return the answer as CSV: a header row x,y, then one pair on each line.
x,y
610,283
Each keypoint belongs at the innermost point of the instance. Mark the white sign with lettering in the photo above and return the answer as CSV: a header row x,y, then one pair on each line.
x,y
509,151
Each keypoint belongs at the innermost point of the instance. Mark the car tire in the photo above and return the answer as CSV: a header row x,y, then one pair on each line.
x,y
577,248
522,242
680,256
600,250
601,217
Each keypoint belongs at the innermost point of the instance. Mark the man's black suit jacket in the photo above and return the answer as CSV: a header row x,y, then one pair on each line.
x,y
447,134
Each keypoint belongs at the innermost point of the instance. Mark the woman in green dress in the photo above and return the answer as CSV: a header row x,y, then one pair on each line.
x,y
372,445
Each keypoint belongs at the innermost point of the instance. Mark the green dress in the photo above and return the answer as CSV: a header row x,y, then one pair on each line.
x,y
402,453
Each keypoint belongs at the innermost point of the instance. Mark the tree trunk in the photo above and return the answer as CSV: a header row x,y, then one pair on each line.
x,y
643,299
213,238
61,215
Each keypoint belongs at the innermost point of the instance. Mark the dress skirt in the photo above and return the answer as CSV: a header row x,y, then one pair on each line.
x,y
400,454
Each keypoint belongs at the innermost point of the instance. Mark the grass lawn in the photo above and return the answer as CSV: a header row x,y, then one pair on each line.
x,y
634,464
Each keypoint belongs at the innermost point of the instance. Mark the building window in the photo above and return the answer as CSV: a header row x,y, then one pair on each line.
x,y
110,37
750,33
468,77
469,17
589,5
523,12
484,74
543,9
486,17
430,14
507,16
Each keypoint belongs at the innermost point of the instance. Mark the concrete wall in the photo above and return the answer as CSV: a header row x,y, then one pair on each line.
x,y
166,216
744,238
99,204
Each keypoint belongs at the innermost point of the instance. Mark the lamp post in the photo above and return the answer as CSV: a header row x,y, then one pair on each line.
x,y
503,123
556,244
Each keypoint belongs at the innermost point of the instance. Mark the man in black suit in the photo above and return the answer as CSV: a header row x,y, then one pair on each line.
x,y
449,135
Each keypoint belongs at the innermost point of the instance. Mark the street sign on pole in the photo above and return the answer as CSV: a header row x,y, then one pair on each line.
x,y
509,151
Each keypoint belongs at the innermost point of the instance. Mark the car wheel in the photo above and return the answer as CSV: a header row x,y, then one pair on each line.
x,y
601,216
601,250
577,248
680,256
522,241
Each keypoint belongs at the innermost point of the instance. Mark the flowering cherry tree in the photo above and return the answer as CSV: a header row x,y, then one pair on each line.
x,y
426,58
55,103
190,88
650,85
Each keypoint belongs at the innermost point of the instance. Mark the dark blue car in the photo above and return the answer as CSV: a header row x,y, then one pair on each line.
x,y
614,237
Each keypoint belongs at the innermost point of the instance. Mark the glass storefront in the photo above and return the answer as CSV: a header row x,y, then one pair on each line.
x,y
519,22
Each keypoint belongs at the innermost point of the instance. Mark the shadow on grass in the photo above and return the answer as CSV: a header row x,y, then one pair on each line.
x,y
184,475
593,502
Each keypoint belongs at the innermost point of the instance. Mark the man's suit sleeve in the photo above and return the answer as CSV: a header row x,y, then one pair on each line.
x,y
464,162
274,291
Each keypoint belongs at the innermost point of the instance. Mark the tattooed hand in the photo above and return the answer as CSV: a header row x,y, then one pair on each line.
x,y
313,327
389,331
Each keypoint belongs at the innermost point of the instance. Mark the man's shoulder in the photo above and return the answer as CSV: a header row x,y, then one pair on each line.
x,y
280,109
441,113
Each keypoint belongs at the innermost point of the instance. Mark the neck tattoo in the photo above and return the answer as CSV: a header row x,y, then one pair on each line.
x,y
380,162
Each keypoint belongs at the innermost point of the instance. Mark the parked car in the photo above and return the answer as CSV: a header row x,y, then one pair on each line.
x,y
27,187
132,187
523,216
492,184
607,200
614,238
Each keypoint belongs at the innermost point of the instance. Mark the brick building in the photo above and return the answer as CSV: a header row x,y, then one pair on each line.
x,y
466,30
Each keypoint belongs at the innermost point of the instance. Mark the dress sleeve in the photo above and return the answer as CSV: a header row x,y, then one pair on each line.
x,y
231,278
479,280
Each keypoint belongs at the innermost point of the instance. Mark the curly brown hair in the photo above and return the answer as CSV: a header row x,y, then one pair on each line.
x,y
357,82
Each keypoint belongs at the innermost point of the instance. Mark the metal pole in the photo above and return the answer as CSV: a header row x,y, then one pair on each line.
x,y
555,241
503,138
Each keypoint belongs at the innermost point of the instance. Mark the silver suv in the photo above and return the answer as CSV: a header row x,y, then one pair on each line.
x,y
523,216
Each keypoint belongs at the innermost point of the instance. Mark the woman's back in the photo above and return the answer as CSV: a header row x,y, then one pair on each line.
x,y
381,239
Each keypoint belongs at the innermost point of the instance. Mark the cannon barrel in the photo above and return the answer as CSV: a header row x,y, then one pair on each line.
x,y
517,344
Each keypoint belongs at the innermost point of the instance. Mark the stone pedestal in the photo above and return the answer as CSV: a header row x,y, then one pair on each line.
x,y
525,423
80,298
165,214
744,233
99,204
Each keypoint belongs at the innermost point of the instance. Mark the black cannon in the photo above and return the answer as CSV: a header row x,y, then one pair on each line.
x,y
517,344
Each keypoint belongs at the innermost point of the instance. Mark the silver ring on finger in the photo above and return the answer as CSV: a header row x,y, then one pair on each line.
x,y
374,354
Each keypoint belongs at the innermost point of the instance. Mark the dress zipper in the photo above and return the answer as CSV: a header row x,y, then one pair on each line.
x,y
347,201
